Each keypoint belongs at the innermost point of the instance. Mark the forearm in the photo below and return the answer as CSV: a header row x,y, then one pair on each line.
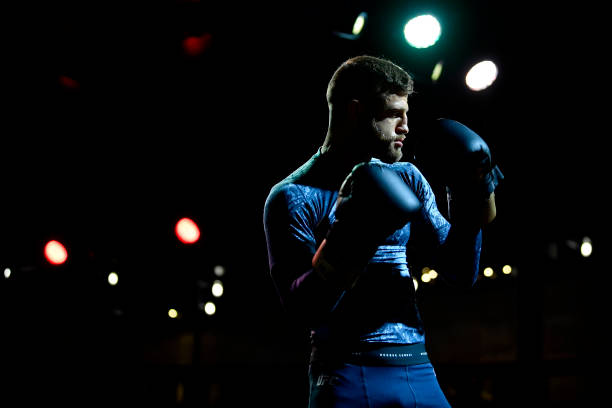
x,y
309,297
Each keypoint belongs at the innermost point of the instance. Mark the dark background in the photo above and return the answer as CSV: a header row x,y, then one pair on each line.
x,y
148,134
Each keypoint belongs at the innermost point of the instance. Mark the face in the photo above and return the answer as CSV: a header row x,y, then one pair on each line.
x,y
389,128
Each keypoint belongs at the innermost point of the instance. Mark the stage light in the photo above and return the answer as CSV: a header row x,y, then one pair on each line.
x,y
55,253
195,45
359,23
217,289
437,71
425,277
586,248
488,272
210,308
187,231
172,313
422,31
7,273
219,270
481,75
506,269
113,278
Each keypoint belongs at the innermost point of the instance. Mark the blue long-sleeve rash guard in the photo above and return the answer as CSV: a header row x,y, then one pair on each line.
x,y
381,307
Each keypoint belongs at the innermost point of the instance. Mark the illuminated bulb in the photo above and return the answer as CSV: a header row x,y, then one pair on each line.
x,y
422,31
488,272
7,273
172,313
481,75
507,269
187,231
425,277
113,278
433,274
359,23
437,71
586,248
217,289
210,308
55,252
219,270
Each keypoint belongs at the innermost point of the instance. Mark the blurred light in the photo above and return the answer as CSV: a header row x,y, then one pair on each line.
x,y
172,313
187,231
7,273
219,270
68,83
217,288
422,31
195,45
437,71
481,75
55,252
425,277
210,308
415,281
586,248
359,23
433,274
506,269
113,278
488,272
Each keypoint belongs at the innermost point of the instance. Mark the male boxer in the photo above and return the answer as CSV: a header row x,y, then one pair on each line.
x,y
338,229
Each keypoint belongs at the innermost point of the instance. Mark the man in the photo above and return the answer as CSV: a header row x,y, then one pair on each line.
x,y
341,228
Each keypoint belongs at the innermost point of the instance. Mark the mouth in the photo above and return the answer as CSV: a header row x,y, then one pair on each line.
x,y
399,142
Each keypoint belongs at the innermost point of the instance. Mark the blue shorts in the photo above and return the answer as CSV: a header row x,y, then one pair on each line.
x,y
357,386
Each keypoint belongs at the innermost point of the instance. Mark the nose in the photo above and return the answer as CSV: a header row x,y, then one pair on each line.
x,y
402,129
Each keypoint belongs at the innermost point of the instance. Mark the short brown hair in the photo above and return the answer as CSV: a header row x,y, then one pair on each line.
x,y
365,78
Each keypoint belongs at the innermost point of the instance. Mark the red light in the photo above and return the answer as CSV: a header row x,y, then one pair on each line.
x,y
55,253
196,45
187,231
68,82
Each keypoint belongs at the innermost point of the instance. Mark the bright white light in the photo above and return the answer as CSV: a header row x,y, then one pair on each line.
x,y
219,270
586,248
210,308
7,273
217,289
113,278
422,31
488,272
481,75
507,269
172,313
425,277
416,283
433,274
359,23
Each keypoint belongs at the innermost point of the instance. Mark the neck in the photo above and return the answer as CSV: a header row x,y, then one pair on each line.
x,y
344,149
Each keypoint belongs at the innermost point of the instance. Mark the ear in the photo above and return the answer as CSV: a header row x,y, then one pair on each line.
x,y
354,109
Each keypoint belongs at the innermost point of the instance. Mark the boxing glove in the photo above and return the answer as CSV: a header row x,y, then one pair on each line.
x,y
373,202
456,156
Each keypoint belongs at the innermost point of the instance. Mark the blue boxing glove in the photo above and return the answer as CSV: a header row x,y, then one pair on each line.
x,y
372,204
454,155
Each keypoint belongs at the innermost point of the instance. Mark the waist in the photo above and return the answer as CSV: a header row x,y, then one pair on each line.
x,y
377,355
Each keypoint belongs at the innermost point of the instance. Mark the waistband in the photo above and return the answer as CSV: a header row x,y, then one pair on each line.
x,y
396,355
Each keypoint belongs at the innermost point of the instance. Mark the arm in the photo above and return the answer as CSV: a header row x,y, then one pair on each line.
x,y
290,237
